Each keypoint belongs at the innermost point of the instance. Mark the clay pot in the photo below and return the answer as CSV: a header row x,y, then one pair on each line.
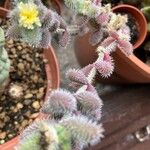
x,y
127,69
53,80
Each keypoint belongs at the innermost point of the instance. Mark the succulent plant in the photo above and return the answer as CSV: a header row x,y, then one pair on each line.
x,y
33,23
4,63
73,121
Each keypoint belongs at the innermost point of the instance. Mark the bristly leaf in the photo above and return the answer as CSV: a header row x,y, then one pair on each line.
x,y
13,32
60,102
126,47
32,37
64,39
96,37
83,130
87,69
103,19
32,136
46,39
90,104
77,76
105,67
89,101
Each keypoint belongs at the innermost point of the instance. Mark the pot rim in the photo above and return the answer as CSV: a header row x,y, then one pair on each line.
x,y
52,74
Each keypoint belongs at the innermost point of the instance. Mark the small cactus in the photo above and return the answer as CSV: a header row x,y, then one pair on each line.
x,y
30,25
15,91
60,102
4,63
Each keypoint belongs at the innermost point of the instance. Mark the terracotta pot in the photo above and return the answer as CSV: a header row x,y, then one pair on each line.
x,y
127,69
53,80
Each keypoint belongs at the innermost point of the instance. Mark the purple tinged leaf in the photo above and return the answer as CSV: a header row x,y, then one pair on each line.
x,y
108,41
110,44
97,2
102,19
89,101
114,35
126,47
64,39
13,32
81,21
77,145
87,69
46,39
60,102
96,37
83,30
105,68
83,129
77,76
96,114
91,88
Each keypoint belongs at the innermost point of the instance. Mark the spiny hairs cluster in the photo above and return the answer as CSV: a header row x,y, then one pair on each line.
x,y
35,24
108,30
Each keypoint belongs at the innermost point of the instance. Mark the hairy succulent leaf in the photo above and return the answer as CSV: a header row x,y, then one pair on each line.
x,y
104,67
96,37
82,129
60,102
77,76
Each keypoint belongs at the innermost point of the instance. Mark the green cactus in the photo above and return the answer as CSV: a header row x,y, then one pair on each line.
x,y
64,138
146,3
146,11
4,63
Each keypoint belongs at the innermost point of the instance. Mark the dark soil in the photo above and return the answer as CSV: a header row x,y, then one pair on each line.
x,y
134,31
28,80
143,52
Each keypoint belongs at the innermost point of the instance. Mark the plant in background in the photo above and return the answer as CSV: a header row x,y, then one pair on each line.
x,y
4,63
146,11
35,24
108,30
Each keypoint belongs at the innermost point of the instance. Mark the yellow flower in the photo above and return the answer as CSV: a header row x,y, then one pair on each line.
x,y
28,15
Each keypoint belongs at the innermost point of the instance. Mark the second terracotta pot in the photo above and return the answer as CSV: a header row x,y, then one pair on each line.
x,y
127,69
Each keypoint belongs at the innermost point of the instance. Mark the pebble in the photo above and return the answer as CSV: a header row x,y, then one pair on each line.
x,y
19,47
2,141
2,135
36,105
27,102
10,135
33,116
24,123
39,95
27,96
21,66
19,106
45,61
